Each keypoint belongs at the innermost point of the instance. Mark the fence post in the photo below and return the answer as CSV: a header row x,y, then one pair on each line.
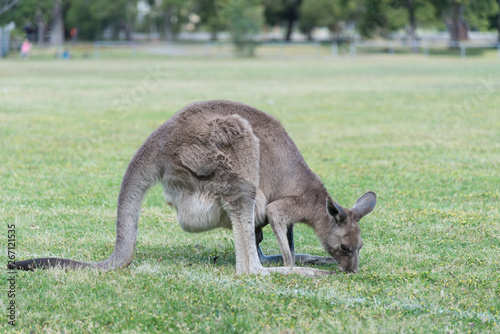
x,y
426,50
335,50
353,49
208,49
96,49
169,49
498,49
462,51
134,49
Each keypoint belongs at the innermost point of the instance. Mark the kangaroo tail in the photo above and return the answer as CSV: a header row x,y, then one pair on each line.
x,y
142,173
48,262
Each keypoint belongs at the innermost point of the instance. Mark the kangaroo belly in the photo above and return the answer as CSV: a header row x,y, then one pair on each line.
x,y
199,213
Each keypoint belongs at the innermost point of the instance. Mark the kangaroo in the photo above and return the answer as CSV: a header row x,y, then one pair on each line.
x,y
226,164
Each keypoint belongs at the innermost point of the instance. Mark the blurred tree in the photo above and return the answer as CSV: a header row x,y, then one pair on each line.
x,y
278,12
244,19
382,17
7,5
81,16
168,16
116,15
498,20
91,18
57,23
494,20
332,14
41,16
461,15
210,17
412,20
320,13
419,13
39,13
172,9
455,20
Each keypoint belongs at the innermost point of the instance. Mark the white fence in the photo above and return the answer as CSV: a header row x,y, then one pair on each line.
x,y
423,47
291,50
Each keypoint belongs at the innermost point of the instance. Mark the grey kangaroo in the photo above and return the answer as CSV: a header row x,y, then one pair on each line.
x,y
226,164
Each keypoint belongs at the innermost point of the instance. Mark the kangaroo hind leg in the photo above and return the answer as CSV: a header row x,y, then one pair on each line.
x,y
229,169
234,137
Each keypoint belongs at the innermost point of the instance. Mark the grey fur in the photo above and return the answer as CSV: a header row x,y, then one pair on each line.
x,y
226,164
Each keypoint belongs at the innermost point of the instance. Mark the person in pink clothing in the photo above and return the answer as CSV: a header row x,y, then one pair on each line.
x,y
25,49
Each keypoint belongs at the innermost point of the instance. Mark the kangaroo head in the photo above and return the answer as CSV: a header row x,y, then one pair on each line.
x,y
343,239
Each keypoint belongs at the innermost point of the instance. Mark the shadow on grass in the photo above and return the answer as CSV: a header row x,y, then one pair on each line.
x,y
188,254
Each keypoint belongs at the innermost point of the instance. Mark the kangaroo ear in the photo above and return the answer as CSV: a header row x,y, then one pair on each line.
x,y
335,210
365,204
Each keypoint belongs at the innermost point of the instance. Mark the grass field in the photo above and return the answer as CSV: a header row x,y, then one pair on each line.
x,y
424,133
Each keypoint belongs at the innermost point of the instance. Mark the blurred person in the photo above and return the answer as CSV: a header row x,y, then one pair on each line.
x,y
66,54
74,35
25,49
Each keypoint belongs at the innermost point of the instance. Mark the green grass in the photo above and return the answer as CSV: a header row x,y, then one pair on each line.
x,y
424,133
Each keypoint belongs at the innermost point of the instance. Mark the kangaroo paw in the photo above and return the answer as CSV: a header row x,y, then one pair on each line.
x,y
311,259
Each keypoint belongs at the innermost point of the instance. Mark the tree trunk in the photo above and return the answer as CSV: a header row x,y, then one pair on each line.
x,y
289,28
309,35
498,22
213,35
458,26
115,32
498,27
294,15
40,25
57,26
168,23
413,25
128,29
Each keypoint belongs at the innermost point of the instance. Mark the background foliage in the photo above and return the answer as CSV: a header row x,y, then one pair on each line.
x,y
97,19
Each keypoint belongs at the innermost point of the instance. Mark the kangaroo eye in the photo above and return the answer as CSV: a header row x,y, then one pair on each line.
x,y
344,248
